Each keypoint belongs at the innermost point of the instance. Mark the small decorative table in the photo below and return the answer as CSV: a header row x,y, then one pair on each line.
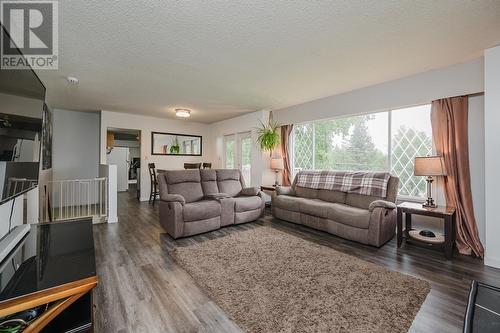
x,y
445,242
269,188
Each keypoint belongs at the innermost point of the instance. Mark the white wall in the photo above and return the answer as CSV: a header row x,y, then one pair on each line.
x,y
75,145
151,124
109,171
492,156
462,79
476,161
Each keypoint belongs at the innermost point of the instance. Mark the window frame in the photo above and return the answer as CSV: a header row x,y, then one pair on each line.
x,y
399,197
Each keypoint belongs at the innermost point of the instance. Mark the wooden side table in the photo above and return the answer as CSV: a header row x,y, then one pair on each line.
x,y
268,188
446,213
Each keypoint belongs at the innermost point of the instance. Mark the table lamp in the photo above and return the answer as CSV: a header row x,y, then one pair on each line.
x,y
430,167
277,165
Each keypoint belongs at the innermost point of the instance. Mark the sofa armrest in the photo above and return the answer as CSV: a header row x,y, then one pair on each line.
x,y
171,218
285,190
249,191
172,198
382,204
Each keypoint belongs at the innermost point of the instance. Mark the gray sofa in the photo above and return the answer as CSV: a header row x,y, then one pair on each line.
x,y
361,218
198,201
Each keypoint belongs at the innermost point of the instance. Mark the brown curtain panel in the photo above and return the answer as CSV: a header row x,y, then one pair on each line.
x,y
449,118
286,130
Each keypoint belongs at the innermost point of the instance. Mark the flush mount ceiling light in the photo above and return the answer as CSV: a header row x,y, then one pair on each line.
x,y
183,113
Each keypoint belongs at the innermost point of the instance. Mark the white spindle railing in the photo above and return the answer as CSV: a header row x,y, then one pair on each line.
x,y
75,198
16,185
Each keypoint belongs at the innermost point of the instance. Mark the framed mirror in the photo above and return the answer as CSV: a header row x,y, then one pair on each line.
x,y
175,144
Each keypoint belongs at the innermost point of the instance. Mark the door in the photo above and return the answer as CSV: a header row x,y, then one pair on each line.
x,y
244,153
120,157
230,152
238,154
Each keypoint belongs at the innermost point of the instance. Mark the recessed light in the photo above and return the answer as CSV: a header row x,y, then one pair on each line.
x,y
183,113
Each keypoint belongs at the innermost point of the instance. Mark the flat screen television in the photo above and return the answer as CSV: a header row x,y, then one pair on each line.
x,y
22,101
22,105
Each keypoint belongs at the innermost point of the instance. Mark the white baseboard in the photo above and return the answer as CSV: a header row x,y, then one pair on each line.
x,y
112,219
492,262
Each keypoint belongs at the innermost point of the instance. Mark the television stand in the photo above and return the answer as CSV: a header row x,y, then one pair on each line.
x,y
53,271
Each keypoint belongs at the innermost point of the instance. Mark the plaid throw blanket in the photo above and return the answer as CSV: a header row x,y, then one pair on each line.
x,y
366,183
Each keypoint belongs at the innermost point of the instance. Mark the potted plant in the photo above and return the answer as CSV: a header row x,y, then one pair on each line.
x,y
268,135
174,148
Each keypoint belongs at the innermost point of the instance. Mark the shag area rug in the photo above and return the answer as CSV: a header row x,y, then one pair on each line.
x,y
269,281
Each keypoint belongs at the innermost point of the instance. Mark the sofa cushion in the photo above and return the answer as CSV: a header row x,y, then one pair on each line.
x,y
209,181
332,196
190,191
228,181
228,174
315,207
243,204
187,183
305,192
182,176
353,216
287,202
360,200
201,210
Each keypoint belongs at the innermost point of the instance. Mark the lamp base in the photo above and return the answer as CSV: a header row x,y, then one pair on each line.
x,y
429,203
276,179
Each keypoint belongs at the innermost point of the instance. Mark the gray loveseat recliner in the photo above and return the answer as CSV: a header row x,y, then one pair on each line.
x,y
197,201
365,219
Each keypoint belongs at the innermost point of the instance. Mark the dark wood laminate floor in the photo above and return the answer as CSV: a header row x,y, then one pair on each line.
x,y
142,290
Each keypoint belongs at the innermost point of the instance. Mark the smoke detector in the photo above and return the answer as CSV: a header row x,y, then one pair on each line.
x,y
72,80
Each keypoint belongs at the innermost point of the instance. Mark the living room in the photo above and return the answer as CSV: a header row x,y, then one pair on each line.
x,y
289,167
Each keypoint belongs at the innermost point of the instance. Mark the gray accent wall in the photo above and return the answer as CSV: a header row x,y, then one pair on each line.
x,y
75,147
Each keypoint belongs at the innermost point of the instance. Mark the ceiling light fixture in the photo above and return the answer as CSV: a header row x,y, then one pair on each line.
x,y
183,113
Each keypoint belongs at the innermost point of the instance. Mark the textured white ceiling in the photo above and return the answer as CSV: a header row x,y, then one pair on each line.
x,y
225,58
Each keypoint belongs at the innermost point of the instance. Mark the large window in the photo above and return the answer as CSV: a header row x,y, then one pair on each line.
x,y
375,142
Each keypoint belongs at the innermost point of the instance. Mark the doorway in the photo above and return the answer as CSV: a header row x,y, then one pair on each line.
x,y
238,154
124,151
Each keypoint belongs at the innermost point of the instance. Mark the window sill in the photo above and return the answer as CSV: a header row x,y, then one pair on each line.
x,y
408,198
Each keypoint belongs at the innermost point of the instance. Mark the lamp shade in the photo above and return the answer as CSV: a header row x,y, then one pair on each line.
x,y
277,164
429,166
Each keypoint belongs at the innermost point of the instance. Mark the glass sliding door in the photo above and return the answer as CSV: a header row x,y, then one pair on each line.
x,y
229,152
245,156
238,154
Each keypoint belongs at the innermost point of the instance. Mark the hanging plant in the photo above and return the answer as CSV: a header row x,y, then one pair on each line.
x,y
268,135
